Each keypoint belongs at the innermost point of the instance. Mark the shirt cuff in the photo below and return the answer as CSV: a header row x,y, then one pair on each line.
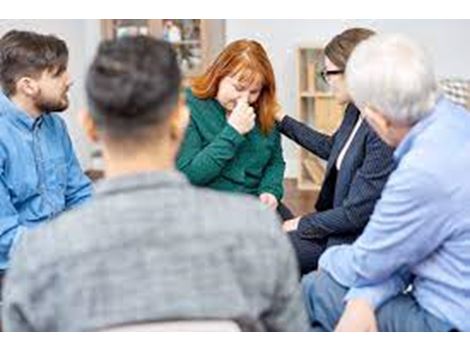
x,y
232,135
381,292
272,191
303,224
374,295
307,229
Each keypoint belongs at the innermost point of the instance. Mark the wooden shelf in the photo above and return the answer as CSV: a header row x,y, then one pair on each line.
x,y
317,108
314,169
306,94
306,185
196,41
187,42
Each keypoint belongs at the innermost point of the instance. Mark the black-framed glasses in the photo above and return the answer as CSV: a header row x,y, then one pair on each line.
x,y
326,73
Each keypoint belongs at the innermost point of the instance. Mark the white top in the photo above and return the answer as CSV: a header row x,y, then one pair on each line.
x,y
341,155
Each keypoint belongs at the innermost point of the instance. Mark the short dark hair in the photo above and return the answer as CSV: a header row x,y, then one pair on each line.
x,y
340,48
25,53
132,83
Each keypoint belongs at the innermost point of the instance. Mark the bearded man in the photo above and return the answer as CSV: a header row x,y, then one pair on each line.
x,y
40,176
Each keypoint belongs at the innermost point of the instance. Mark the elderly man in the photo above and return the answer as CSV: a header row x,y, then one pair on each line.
x,y
410,269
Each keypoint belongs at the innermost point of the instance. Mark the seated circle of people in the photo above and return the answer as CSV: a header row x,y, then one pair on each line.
x,y
188,224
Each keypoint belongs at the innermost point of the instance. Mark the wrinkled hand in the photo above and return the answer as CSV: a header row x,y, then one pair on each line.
x,y
291,225
269,200
242,117
357,317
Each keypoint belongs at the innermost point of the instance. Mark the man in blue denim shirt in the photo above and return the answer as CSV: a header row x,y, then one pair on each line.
x,y
410,269
40,176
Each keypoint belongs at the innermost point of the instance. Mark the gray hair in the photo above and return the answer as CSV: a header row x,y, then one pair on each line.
x,y
394,75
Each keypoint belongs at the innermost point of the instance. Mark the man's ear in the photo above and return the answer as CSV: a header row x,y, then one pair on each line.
x,y
27,86
179,120
376,118
88,125
380,124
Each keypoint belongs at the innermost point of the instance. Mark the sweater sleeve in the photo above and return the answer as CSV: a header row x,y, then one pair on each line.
x,y
272,181
202,163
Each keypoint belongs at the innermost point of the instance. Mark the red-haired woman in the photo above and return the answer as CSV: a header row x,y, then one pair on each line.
x,y
232,143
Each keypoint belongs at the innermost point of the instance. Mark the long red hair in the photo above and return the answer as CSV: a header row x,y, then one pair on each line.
x,y
249,59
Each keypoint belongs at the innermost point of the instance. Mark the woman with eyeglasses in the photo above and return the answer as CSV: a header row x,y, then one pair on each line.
x,y
358,165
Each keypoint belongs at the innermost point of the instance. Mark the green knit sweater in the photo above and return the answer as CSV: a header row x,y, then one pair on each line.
x,y
215,155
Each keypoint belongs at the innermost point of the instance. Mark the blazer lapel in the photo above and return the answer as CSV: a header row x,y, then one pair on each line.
x,y
344,132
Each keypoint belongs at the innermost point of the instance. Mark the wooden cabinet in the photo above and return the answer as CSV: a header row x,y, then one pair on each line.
x,y
317,108
196,41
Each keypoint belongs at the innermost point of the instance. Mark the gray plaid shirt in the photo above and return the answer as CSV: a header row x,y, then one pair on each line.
x,y
151,247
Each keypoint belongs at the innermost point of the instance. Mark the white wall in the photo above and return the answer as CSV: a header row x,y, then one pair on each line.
x,y
77,34
447,41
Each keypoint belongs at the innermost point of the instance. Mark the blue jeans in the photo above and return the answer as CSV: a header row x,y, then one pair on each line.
x,y
325,304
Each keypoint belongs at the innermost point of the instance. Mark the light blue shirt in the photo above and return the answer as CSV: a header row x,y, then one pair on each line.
x,y
419,233
40,176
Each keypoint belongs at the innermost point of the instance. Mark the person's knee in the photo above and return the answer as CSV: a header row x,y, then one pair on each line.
x,y
314,287
308,290
324,298
403,313
308,284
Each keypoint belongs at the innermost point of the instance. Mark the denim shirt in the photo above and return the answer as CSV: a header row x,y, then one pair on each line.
x,y
40,176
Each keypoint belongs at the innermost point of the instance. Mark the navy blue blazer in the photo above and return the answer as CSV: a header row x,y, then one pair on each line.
x,y
348,196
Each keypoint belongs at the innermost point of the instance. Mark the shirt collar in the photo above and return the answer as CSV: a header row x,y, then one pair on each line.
x,y
18,116
154,179
406,144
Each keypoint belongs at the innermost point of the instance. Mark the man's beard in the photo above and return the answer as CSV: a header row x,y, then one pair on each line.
x,y
52,105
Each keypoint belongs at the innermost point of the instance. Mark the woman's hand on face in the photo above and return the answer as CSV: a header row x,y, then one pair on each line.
x,y
269,200
243,117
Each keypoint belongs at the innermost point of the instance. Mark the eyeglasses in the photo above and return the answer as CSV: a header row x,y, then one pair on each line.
x,y
326,73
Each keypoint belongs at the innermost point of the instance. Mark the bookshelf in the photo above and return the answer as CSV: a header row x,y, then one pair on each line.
x,y
317,108
195,41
